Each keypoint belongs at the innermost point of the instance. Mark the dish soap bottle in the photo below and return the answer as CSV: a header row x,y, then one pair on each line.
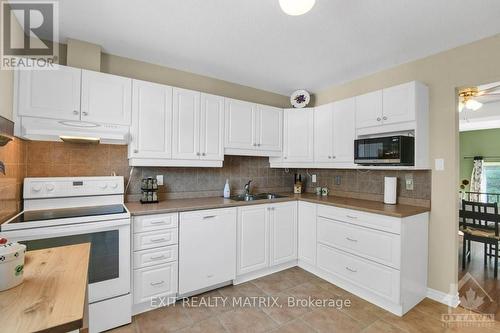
x,y
227,190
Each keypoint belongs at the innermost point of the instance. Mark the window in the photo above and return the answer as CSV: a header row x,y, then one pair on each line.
x,y
490,182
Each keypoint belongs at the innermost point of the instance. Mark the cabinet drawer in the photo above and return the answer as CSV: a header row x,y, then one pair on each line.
x,y
379,246
155,222
155,281
156,256
153,239
375,221
379,279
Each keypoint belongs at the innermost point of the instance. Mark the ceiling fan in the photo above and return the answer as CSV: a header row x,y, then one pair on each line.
x,y
472,98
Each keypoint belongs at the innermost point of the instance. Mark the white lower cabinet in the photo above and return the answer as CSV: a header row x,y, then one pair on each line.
x,y
155,263
207,246
267,236
307,232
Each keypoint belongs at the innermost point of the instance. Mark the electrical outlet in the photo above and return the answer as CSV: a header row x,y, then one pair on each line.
x,y
159,179
313,178
439,164
409,182
338,180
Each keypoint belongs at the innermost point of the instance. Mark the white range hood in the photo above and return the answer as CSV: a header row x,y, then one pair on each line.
x,y
70,130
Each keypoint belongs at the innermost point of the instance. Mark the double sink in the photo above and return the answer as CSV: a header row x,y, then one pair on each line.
x,y
260,196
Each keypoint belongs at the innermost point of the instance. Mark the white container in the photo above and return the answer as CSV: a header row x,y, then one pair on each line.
x,y
227,189
390,190
11,264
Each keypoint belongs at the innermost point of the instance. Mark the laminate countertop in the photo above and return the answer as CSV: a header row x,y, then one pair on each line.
x,y
183,205
52,296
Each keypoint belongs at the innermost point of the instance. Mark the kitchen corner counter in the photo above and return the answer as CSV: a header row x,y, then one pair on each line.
x,y
182,205
53,295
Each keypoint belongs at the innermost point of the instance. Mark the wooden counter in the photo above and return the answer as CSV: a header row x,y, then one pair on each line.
x,y
53,295
183,205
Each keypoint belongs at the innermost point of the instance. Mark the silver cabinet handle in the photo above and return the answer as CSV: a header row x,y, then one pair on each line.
x,y
197,154
351,217
259,144
76,112
156,240
351,239
384,117
334,157
351,269
209,217
157,222
157,257
329,157
285,157
157,283
136,151
203,154
85,113
379,119
254,144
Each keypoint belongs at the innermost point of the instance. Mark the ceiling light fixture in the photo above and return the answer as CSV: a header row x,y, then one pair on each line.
x,y
467,100
296,7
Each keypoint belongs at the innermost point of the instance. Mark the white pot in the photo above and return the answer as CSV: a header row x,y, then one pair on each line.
x,y
11,264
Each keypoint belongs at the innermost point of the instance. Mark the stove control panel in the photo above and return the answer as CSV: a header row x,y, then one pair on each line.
x,y
62,187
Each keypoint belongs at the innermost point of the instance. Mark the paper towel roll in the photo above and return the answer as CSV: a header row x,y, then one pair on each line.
x,y
390,190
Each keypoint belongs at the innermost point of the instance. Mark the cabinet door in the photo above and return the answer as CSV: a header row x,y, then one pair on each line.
x,y
106,98
212,127
323,133
207,247
239,124
269,129
343,130
186,124
397,103
369,109
50,94
253,239
155,281
151,120
283,219
299,135
307,232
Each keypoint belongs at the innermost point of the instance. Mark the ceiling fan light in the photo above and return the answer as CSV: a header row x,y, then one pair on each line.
x,y
473,105
461,106
296,7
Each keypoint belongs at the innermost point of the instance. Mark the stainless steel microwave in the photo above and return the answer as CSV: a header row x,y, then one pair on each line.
x,y
389,150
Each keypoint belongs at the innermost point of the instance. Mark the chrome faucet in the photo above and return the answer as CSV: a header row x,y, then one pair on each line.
x,y
247,188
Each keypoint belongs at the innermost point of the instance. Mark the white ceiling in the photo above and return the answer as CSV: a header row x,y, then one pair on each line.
x,y
252,42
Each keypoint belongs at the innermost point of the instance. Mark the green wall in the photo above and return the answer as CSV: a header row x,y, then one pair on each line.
x,y
477,143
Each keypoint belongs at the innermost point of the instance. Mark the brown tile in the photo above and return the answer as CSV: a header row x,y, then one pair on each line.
x,y
414,321
310,290
296,326
362,311
381,326
283,311
166,319
241,290
331,320
274,283
246,320
130,328
212,325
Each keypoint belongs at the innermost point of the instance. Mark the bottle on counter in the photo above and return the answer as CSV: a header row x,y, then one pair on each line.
x,y
227,189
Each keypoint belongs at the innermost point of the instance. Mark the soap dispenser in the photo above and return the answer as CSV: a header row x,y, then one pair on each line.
x,y
227,190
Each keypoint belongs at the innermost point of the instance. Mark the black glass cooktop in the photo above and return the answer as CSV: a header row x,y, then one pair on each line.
x,y
64,213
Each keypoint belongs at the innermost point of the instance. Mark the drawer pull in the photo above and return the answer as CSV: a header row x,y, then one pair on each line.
x,y
157,283
209,217
351,239
158,257
351,270
210,276
156,240
351,217
157,222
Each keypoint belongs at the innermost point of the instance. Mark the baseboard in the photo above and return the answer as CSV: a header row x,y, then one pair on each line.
x,y
263,272
444,298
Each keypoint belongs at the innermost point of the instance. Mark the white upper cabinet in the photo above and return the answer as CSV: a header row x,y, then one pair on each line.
x,y
269,129
323,133
369,109
343,130
399,103
50,93
151,135
298,135
106,98
186,124
211,127
253,129
240,124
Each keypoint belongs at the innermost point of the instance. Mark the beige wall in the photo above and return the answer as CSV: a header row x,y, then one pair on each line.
x,y
472,64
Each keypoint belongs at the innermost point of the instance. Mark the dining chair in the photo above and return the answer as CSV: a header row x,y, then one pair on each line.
x,y
479,222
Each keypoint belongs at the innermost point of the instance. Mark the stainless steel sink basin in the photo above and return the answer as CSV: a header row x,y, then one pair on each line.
x,y
260,196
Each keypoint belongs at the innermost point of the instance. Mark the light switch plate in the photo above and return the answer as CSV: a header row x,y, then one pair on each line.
x,y
159,179
439,164
313,177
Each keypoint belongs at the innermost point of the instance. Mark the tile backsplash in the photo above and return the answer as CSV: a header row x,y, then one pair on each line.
x,y
57,159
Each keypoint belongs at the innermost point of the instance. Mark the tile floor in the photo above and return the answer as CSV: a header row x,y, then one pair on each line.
x,y
298,284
